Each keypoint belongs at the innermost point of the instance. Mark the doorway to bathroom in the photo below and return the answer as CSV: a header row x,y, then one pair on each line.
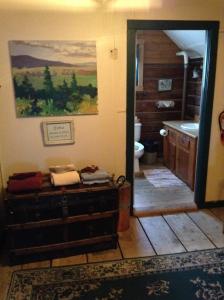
x,y
171,67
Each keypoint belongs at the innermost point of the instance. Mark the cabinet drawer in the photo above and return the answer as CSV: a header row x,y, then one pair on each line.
x,y
184,141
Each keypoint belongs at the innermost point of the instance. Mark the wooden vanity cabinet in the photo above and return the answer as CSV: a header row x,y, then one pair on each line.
x,y
180,155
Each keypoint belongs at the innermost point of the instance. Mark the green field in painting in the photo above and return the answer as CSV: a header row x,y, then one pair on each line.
x,y
24,108
31,99
58,75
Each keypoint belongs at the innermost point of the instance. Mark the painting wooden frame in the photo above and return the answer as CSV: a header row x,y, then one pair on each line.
x,y
58,132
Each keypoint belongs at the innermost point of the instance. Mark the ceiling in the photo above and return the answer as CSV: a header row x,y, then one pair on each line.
x,y
192,41
80,5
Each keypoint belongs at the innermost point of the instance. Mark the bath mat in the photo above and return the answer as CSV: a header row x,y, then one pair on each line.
x,y
162,178
187,276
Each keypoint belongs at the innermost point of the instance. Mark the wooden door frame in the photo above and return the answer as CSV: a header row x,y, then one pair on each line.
x,y
208,83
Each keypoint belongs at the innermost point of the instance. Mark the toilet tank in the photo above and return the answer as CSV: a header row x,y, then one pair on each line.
x,y
138,127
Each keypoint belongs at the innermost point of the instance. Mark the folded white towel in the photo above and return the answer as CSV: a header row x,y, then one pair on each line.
x,y
66,178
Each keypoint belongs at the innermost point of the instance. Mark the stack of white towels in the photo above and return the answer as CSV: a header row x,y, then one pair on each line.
x,y
64,175
99,176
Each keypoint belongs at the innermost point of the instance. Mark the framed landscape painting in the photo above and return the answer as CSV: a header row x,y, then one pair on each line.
x,y
54,78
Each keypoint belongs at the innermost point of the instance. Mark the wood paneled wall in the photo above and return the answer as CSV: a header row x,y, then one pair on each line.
x,y
160,62
193,92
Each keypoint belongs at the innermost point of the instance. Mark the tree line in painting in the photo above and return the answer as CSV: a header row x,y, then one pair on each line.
x,y
67,98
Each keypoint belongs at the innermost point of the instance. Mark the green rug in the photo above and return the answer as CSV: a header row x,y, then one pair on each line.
x,y
186,276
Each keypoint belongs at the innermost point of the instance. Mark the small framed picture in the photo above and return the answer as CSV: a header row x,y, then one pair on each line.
x,y
58,132
164,85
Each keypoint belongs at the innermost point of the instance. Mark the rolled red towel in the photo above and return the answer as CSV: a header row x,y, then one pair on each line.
x,y
22,182
90,169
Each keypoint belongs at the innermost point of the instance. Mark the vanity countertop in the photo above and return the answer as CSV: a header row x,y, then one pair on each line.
x,y
177,125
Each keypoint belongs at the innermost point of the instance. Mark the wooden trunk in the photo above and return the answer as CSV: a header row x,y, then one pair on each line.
x,y
59,221
124,207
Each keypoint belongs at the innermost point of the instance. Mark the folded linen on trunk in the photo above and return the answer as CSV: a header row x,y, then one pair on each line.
x,y
22,182
95,181
66,178
97,175
62,168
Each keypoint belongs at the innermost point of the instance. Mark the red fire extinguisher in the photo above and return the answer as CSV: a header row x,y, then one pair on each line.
x,y
221,126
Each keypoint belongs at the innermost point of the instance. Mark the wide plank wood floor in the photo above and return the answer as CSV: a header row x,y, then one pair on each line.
x,y
147,236
161,235
151,200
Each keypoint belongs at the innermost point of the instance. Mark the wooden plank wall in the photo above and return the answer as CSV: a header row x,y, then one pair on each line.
x,y
160,61
193,92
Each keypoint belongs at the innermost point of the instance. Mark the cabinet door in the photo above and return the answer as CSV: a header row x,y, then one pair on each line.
x,y
169,149
183,149
172,156
166,151
186,158
182,164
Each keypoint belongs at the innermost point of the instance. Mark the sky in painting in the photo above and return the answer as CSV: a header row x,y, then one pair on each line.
x,y
73,52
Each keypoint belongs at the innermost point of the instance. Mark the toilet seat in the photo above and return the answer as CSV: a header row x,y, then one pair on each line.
x,y
139,149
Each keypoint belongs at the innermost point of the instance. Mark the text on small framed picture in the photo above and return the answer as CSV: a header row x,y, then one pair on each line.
x,y
58,132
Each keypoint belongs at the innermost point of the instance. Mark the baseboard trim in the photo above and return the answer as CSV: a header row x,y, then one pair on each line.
x,y
211,204
150,212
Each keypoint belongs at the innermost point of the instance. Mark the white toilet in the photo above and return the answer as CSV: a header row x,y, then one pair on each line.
x,y
139,148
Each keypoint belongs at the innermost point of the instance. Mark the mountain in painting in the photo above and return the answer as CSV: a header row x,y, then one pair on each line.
x,y
27,61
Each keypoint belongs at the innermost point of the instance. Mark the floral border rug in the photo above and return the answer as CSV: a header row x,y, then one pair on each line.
x,y
185,276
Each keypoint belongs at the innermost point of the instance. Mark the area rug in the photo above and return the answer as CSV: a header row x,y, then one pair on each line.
x,y
186,276
162,177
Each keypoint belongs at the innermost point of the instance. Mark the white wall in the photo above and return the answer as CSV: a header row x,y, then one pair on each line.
x,y
100,139
96,135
